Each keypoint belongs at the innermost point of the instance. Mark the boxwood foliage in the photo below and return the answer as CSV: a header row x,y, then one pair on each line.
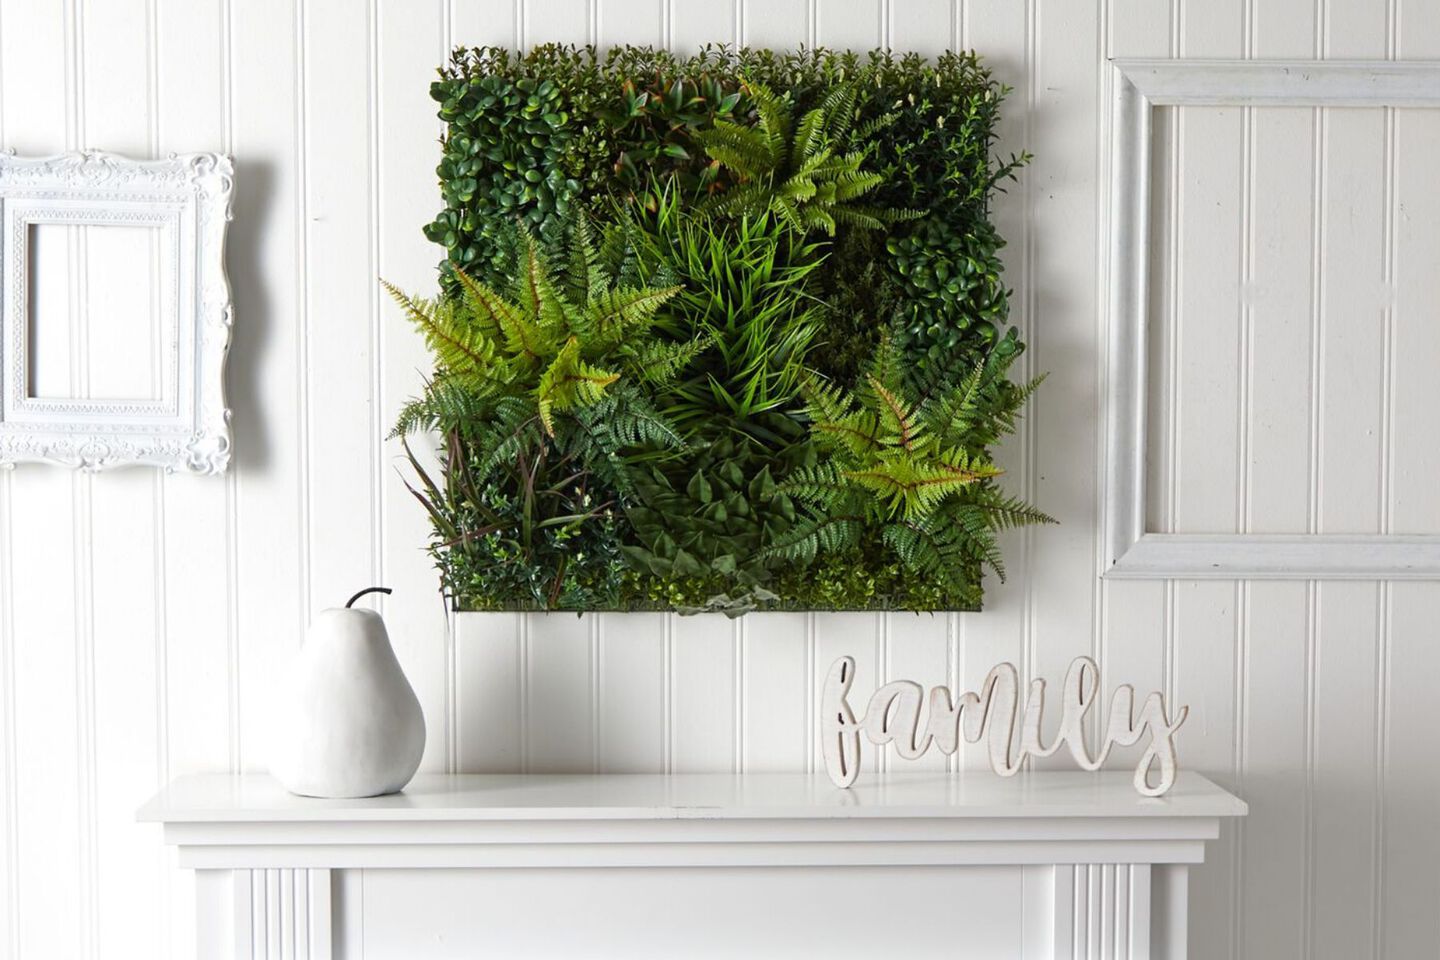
x,y
717,332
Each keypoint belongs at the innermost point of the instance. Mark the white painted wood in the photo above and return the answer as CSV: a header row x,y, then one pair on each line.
x,y
452,799
227,565
1062,239
1195,81
1140,86
631,686
408,39
673,912
181,421
560,657
490,692
1346,646
558,21
1169,910
776,23
270,606
916,647
638,22
851,24
270,914
775,676
704,694
686,843
342,302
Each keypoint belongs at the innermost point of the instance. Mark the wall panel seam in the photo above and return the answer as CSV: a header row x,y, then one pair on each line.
x,y
9,770
1317,257
1031,427
232,477
302,290
161,585
82,542
1099,641
374,119
1312,615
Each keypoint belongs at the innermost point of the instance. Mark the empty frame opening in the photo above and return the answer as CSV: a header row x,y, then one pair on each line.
x,y
99,323
1294,272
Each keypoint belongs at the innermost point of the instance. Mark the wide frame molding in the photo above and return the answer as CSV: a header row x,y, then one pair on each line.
x,y
1139,86
187,198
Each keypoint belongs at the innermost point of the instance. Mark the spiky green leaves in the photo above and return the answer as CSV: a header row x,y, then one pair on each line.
x,y
671,408
744,292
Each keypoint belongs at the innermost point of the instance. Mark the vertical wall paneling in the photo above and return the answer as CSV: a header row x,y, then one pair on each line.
x,y
641,22
778,23
1277,626
195,631
1133,613
704,701
1353,312
489,694
267,268
926,26
476,22
1277,301
1000,632
341,299
560,693
1065,76
1342,831
143,618
119,664
408,43
862,639
559,21
774,678
630,685
1405,889
853,24
692,25
36,49
916,647
1350,628
1409,838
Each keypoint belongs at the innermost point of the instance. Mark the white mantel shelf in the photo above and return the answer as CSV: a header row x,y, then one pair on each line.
x,y
1096,859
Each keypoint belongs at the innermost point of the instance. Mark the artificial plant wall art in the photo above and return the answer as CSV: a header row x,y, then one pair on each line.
x,y
722,332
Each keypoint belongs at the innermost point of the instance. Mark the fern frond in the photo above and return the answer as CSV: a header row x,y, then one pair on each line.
x,y
615,311
658,362
569,382
830,534
464,352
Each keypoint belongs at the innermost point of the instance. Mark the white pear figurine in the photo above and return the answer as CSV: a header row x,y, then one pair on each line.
x,y
348,724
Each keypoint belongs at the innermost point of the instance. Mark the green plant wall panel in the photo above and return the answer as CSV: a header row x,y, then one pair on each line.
x,y
725,332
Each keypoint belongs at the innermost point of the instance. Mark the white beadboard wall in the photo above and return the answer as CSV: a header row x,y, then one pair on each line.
x,y
143,618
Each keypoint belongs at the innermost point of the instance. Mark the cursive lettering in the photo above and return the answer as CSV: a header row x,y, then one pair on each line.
x,y
893,715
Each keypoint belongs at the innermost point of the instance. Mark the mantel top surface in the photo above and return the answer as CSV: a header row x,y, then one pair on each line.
x,y
219,798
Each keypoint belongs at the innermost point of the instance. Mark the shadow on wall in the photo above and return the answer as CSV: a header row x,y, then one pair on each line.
x,y
255,312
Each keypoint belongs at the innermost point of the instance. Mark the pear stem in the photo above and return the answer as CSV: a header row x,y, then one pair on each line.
x,y
385,590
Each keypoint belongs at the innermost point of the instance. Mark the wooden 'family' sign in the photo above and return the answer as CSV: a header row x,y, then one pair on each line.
x,y
894,716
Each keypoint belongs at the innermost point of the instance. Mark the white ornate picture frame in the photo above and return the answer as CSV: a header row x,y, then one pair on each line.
x,y
1138,87
186,200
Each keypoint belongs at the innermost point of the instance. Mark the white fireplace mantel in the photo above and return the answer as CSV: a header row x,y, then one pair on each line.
x,y
1047,864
